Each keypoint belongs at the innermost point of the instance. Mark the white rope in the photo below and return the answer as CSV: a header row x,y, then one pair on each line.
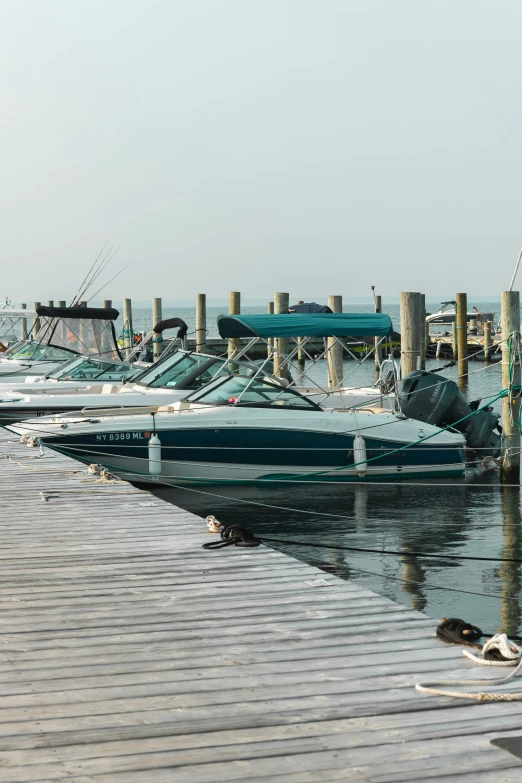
x,y
508,649
27,467
498,643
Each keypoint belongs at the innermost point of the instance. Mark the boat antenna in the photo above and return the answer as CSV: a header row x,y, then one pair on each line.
x,y
110,281
94,272
373,292
101,266
100,270
76,296
516,270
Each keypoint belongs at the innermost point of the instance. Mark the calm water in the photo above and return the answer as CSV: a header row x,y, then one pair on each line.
x,y
473,516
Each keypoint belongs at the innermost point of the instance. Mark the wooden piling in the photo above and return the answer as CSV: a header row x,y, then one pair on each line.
x,y
36,321
377,350
234,308
335,349
426,331
157,316
128,333
82,335
487,341
300,351
61,303
270,346
454,344
50,303
23,323
107,304
410,303
281,304
422,345
511,375
462,334
201,323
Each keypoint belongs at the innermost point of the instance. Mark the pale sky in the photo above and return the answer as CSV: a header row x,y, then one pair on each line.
x,y
310,146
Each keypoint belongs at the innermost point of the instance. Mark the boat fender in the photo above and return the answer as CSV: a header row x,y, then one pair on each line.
x,y
154,455
359,455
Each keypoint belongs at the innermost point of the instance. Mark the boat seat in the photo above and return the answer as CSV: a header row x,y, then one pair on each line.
x,y
109,388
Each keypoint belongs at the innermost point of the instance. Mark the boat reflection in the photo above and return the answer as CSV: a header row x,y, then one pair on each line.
x,y
510,613
475,517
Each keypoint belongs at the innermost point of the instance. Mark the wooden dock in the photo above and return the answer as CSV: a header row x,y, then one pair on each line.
x,y
475,347
441,343
128,654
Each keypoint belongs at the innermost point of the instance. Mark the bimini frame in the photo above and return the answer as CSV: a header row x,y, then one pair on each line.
x,y
301,329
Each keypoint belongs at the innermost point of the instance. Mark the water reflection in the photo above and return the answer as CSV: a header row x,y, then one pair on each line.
x,y
463,384
360,506
414,575
510,577
439,517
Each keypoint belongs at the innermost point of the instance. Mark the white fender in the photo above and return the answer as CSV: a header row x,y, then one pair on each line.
x,y
359,455
154,455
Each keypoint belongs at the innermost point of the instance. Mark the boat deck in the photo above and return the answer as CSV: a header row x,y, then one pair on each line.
x,y
129,654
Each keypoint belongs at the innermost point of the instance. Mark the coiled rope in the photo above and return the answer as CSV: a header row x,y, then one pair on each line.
x,y
497,651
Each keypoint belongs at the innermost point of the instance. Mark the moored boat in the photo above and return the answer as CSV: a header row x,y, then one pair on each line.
x,y
239,429
65,332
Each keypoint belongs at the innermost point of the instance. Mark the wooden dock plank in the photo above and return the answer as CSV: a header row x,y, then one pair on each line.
x,y
128,654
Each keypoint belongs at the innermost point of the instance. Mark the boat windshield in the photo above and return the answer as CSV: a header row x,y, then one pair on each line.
x,y
92,370
262,392
193,370
30,351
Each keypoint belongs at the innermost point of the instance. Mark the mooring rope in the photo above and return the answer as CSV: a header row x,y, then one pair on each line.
x,y
434,688
497,651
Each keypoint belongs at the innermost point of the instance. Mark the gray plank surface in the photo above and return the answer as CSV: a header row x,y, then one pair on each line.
x,y
128,654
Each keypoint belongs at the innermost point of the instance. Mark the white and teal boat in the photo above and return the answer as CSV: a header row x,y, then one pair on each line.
x,y
239,429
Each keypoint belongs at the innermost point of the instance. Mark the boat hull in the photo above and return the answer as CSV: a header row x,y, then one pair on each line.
x,y
11,369
241,455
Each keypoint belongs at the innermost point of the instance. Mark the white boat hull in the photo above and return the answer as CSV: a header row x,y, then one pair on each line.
x,y
239,445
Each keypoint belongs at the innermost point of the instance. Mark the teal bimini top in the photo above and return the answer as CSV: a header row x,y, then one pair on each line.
x,y
305,325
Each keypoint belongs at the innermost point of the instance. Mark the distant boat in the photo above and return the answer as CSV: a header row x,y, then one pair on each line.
x,y
447,314
10,323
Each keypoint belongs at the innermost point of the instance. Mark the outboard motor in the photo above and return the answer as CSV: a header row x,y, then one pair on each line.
x,y
436,400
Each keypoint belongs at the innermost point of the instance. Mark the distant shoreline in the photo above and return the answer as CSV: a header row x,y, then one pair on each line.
x,y
386,300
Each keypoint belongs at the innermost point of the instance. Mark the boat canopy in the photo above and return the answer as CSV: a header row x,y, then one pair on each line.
x,y
305,325
101,313
88,331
